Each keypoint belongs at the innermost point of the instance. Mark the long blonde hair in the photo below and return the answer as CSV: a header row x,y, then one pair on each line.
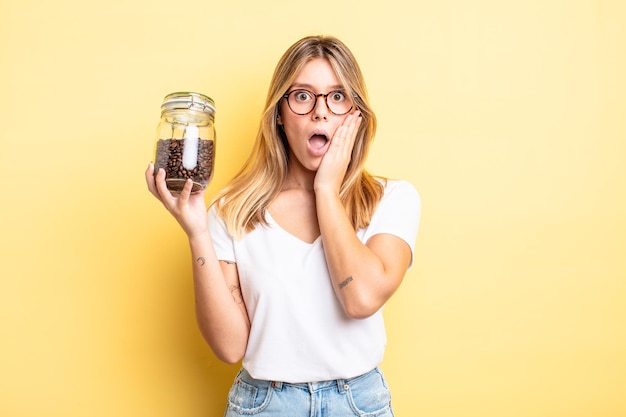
x,y
242,203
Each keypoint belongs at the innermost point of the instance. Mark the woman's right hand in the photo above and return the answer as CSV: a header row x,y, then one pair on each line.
x,y
189,210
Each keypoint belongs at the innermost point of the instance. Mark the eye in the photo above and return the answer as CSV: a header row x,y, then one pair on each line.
x,y
302,96
337,96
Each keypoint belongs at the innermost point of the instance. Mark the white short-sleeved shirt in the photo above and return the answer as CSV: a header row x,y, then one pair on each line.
x,y
299,330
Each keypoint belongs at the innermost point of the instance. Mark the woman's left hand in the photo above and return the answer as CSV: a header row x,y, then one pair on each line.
x,y
334,165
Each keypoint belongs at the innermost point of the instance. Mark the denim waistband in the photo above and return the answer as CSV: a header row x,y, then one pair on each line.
x,y
342,385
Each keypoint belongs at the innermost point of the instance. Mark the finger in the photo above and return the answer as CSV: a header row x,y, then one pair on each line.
x,y
164,194
353,128
355,122
346,133
352,122
185,192
342,131
150,181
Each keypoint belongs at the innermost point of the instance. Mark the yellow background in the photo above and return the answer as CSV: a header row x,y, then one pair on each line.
x,y
507,116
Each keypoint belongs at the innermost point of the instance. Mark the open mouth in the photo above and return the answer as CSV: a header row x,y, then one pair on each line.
x,y
318,141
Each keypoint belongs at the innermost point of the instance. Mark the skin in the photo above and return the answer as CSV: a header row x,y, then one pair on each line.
x,y
364,276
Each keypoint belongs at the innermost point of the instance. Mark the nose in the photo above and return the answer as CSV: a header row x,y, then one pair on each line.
x,y
320,110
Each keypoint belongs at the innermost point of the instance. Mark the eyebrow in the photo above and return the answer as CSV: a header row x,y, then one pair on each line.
x,y
310,87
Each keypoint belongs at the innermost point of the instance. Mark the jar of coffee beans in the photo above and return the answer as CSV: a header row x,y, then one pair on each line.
x,y
185,146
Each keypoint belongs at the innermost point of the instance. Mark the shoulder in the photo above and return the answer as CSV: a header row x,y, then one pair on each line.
x,y
400,190
398,212
400,201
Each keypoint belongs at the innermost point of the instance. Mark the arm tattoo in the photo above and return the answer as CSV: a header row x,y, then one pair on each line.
x,y
235,290
200,260
345,282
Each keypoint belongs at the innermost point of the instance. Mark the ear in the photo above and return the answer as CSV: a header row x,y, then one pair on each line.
x,y
279,121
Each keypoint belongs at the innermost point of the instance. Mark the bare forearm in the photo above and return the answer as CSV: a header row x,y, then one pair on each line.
x,y
222,319
219,309
357,272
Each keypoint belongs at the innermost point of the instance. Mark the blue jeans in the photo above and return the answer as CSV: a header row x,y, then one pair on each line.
x,y
365,396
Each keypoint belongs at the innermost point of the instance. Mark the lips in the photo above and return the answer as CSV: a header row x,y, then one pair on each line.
x,y
318,143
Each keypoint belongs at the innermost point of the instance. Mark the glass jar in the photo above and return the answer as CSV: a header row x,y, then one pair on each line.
x,y
185,145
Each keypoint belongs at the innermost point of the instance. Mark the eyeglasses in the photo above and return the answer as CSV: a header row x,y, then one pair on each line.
x,y
303,102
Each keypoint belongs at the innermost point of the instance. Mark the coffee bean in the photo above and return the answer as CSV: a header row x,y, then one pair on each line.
x,y
169,156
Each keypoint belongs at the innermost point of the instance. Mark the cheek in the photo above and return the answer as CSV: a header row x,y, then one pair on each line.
x,y
292,127
290,135
284,118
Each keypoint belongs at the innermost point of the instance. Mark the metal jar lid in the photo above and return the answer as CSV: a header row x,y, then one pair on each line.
x,y
188,100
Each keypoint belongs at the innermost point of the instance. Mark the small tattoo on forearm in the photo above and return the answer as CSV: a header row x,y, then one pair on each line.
x,y
200,260
345,282
235,290
229,262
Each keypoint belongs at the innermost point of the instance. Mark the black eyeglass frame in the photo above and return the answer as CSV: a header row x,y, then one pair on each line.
x,y
316,96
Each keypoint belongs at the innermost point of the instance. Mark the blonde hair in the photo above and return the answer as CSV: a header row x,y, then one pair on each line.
x,y
242,203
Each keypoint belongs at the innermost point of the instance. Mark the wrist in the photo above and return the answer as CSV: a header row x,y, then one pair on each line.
x,y
199,236
328,201
326,191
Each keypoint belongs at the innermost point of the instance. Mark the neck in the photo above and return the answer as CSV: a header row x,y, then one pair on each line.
x,y
299,179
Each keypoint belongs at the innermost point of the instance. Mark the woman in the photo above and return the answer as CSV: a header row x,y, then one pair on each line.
x,y
303,247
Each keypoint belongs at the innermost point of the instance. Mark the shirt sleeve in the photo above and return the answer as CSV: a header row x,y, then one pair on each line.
x,y
398,213
222,240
